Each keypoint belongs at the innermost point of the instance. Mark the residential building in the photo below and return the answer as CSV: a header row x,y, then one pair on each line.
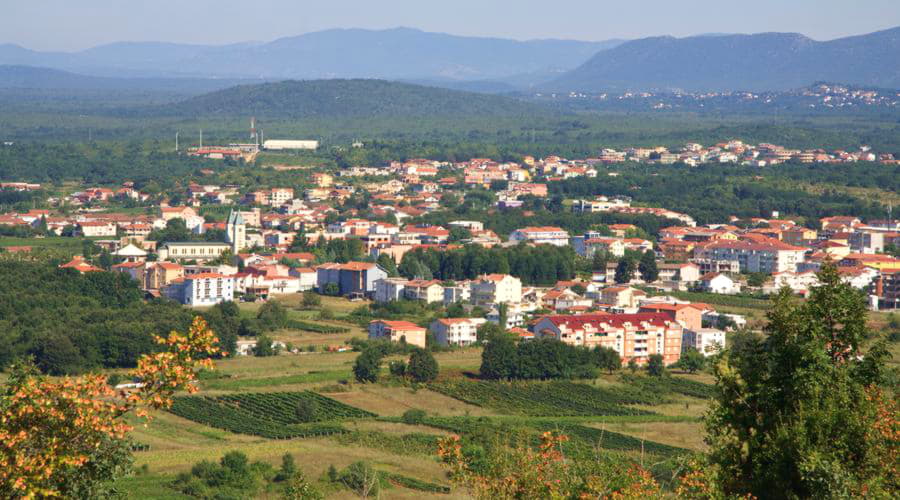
x,y
633,336
766,255
389,289
92,229
203,289
456,331
159,274
398,331
718,283
491,289
708,341
544,235
352,278
687,273
689,316
429,291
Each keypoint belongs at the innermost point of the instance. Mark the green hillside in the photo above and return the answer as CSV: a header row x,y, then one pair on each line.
x,y
348,98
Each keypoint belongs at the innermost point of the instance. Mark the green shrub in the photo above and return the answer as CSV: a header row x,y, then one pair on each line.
x,y
413,416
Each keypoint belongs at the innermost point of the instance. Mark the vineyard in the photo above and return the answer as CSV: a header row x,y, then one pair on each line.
x,y
547,398
582,440
663,385
271,415
306,326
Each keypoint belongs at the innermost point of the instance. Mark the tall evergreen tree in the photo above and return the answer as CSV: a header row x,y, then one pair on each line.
x,y
625,271
647,267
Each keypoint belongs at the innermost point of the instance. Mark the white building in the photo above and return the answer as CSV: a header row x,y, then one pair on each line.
x,y
281,144
543,235
389,289
491,289
203,289
456,331
707,341
767,256
718,283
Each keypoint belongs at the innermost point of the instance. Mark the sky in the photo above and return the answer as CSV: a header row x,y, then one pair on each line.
x,y
70,25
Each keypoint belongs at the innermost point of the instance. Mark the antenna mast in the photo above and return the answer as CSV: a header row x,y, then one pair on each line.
x,y
176,142
201,138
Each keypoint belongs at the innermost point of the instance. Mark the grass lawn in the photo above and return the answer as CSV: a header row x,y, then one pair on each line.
x,y
71,246
681,434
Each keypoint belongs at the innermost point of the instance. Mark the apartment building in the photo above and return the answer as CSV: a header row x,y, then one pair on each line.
x,y
491,289
456,331
633,336
764,256
202,289
397,331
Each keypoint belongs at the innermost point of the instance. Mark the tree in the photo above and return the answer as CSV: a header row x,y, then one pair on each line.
x,y
288,468
632,365
272,315
422,366
625,271
599,260
647,267
413,416
757,279
691,360
502,311
66,437
655,365
489,330
361,478
367,366
607,359
498,360
264,347
798,413
387,263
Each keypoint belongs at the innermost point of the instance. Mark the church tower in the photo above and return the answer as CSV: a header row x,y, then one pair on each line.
x,y
237,232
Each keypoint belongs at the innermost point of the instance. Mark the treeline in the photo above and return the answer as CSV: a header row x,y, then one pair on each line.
x,y
709,193
97,164
543,359
72,323
534,265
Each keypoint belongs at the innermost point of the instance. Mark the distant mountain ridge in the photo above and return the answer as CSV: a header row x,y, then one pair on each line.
x,y
395,54
28,77
338,98
765,61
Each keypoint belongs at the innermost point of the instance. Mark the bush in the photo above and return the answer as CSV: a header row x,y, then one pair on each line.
x,y
307,410
311,300
413,416
264,347
332,289
361,478
655,365
397,368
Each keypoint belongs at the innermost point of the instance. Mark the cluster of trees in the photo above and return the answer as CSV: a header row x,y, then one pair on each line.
x,y
234,476
72,323
420,367
539,265
710,193
543,359
176,230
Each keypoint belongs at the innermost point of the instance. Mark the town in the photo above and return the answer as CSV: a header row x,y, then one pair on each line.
x,y
621,288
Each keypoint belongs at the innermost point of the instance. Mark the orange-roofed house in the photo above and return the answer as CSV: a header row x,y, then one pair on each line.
x,y
352,278
491,289
456,331
688,315
79,264
398,331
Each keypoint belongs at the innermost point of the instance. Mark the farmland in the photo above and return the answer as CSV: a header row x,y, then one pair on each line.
x,y
250,404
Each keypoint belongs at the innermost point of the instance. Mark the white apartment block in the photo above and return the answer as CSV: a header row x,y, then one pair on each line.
x,y
544,235
456,331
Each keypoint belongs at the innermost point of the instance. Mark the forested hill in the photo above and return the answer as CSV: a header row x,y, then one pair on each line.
x,y
760,62
347,98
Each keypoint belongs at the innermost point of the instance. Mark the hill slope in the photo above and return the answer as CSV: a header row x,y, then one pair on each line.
x,y
766,61
400,53
348,98
29,77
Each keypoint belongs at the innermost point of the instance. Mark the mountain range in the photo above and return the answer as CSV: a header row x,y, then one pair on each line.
x,y
703,63
393,54
765,61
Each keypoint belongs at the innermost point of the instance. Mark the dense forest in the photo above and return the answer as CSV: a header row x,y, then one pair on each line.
x,y
540,265
71,322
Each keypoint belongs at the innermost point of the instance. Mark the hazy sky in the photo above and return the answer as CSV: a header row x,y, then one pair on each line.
x,y
77,24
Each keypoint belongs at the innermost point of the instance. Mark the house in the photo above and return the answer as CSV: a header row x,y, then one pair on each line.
x,y
428,290
687,272
886,292
79,264
633,336
159,274
187,214
621,297
202,289
708,341
456,331
307,277
134,269
515,316
93,229
389,289
545,235
718,283
589,244
352,278
398,331
490,289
